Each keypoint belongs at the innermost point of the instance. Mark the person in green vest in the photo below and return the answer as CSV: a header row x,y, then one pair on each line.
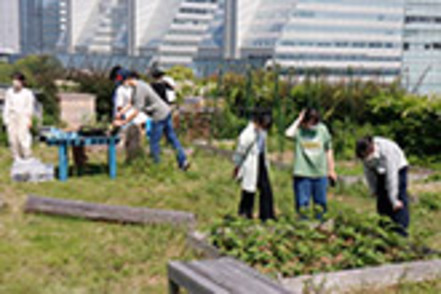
x,y
314,163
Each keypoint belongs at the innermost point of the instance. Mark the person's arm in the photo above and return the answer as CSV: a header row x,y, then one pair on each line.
x,y
121,106
150,104
123,110
243,147
29,108
137,105
6,109
132,116
392,174
292,130
331,164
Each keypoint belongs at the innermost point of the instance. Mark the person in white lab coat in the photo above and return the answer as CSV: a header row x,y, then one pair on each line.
x,y
251,168
17,116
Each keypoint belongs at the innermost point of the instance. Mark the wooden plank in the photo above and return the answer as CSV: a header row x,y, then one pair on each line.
x,y
184,276
100,212
255,274
233,281
236,277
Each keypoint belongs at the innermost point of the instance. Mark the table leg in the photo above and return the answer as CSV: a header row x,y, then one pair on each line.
x,y
63,162
112,158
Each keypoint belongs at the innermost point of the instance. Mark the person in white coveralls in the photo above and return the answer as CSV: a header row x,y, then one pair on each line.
x,y
17,117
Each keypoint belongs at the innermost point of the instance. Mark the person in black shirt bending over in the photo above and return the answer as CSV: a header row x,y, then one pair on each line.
x,y
164,86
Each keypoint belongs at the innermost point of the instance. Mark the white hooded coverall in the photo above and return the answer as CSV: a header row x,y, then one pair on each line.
x,y
17,116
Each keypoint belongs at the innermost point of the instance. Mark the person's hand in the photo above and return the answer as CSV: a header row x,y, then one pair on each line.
x,y
398,205
301,115
333,176
235,172
118,123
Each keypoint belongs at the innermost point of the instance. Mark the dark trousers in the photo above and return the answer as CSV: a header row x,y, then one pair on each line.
x,y
384,206
266,207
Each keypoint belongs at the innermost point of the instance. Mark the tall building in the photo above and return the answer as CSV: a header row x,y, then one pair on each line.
x,y
9,27
97,26
52,24
153,20
364,39
244,32
260,25
422,46
31,26
344,38
188,28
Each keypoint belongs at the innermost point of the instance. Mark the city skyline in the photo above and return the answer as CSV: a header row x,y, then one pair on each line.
x,y
387,39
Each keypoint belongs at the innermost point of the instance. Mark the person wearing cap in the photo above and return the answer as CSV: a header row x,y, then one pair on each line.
x,y
17,116
146,100
164,86
385,168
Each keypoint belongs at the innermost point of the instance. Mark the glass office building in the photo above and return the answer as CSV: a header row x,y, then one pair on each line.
x,y
260,26
9,27
188,28
245,33
98,26
422,47
344,38
31,26
383,40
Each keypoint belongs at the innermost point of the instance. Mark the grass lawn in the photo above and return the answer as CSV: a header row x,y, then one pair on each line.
x,y
40,254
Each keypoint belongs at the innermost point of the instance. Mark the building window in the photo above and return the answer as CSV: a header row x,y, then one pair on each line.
x,y
437,46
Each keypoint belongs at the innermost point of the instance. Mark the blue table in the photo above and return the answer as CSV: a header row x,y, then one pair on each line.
x,y
64,140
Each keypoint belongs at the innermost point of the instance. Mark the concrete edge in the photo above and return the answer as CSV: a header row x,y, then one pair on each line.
x,y
372,278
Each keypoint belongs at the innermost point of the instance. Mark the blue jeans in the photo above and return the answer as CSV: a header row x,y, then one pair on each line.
x,y
165,126
305,187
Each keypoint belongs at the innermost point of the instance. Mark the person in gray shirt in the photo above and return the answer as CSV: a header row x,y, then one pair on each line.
x,y
145,99
385,168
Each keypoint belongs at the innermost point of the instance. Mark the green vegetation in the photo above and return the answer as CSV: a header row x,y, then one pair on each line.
x,y
291,247
40,254
350,109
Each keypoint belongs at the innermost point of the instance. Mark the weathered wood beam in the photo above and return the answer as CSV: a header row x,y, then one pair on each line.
x,y
107,213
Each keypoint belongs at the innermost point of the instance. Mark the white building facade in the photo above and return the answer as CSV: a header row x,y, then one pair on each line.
x,y
344,38
384,40
422,47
